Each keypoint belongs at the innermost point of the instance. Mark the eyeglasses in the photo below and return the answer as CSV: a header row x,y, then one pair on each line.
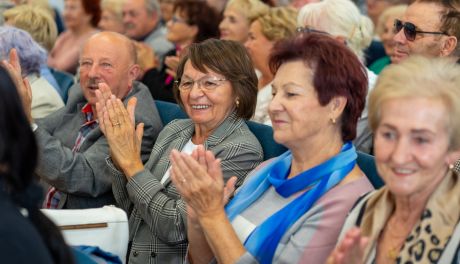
x,y
175,19
208,83
410,30
309,30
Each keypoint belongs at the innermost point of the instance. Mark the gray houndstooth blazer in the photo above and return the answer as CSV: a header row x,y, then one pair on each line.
x,y
157,215
82,177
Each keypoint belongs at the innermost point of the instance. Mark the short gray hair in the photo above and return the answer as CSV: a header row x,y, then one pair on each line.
x,y
152,6
31,54
339,18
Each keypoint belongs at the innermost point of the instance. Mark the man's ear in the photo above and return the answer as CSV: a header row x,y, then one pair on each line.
x,y
448,46
133,72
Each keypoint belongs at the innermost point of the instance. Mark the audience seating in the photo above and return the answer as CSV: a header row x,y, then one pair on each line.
x,y
367,164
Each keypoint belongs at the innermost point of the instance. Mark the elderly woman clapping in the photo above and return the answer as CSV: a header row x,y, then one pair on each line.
x,y
414,113
299,200
217,87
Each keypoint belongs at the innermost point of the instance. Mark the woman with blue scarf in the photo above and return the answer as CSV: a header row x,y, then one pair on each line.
x,y
295,204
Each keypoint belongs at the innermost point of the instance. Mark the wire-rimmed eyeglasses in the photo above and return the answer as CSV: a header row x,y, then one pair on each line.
x,y
208,83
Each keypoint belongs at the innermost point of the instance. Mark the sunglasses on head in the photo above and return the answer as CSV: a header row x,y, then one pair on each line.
x,y
309,30
410,30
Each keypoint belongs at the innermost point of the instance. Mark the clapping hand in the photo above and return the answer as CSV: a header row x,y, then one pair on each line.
x,y
118,125
350,250
22,84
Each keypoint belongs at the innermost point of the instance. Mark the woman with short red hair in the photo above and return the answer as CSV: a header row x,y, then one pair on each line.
x,y
298,201
81,18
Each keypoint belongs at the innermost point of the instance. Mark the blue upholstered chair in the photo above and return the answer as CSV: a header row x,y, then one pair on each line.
x,y
65,81
169,111
367,164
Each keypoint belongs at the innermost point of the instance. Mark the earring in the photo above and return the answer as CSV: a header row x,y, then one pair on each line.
x,y
451,166
333,120
237,102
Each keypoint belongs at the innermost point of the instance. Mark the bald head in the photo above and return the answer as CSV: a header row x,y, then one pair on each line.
x,y
108,57
120,41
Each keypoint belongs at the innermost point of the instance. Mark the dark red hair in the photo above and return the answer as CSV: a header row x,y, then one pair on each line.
x,y
93,8
337,71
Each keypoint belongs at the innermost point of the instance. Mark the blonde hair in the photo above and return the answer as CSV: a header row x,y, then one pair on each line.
x,y
113,6
278,23
251,9
394,11
36,20
339,18
420,77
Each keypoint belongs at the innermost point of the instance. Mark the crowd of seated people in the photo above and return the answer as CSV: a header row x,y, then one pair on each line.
x,y
197,189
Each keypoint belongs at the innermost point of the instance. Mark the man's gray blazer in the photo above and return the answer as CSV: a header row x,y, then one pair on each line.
x,y
157,214
83,177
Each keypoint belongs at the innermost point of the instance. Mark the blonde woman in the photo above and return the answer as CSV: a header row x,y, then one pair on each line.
x,y
38,21
279,23
112,16
413,112
238,15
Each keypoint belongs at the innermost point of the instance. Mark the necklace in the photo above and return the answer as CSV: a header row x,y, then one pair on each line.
x,y
393,251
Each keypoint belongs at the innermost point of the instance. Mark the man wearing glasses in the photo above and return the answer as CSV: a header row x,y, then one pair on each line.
x,y
430,28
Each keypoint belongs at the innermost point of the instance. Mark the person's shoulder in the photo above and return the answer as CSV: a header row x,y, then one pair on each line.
x,y
20,240
178,125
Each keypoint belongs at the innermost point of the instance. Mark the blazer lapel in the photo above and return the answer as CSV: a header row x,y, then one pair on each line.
x,y
185,131
225,129
229,125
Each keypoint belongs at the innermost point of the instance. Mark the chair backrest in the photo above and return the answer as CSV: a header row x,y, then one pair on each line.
x,y
170,111
64,80
105,227
264,134
367,164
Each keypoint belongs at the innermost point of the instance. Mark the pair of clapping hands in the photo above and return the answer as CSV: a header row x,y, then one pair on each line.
x,y
198,177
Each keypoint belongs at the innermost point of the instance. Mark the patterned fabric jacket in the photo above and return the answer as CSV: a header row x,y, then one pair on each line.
x,y
157,215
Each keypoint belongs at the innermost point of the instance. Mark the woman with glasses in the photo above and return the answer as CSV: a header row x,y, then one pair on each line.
x,y
296,203
217,87
414,218
193,21
342,20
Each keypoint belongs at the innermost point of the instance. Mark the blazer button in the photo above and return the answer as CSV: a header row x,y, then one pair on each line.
x,y
135,253
153,254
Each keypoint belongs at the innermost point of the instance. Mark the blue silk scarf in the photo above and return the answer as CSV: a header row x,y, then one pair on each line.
x,y
262,242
